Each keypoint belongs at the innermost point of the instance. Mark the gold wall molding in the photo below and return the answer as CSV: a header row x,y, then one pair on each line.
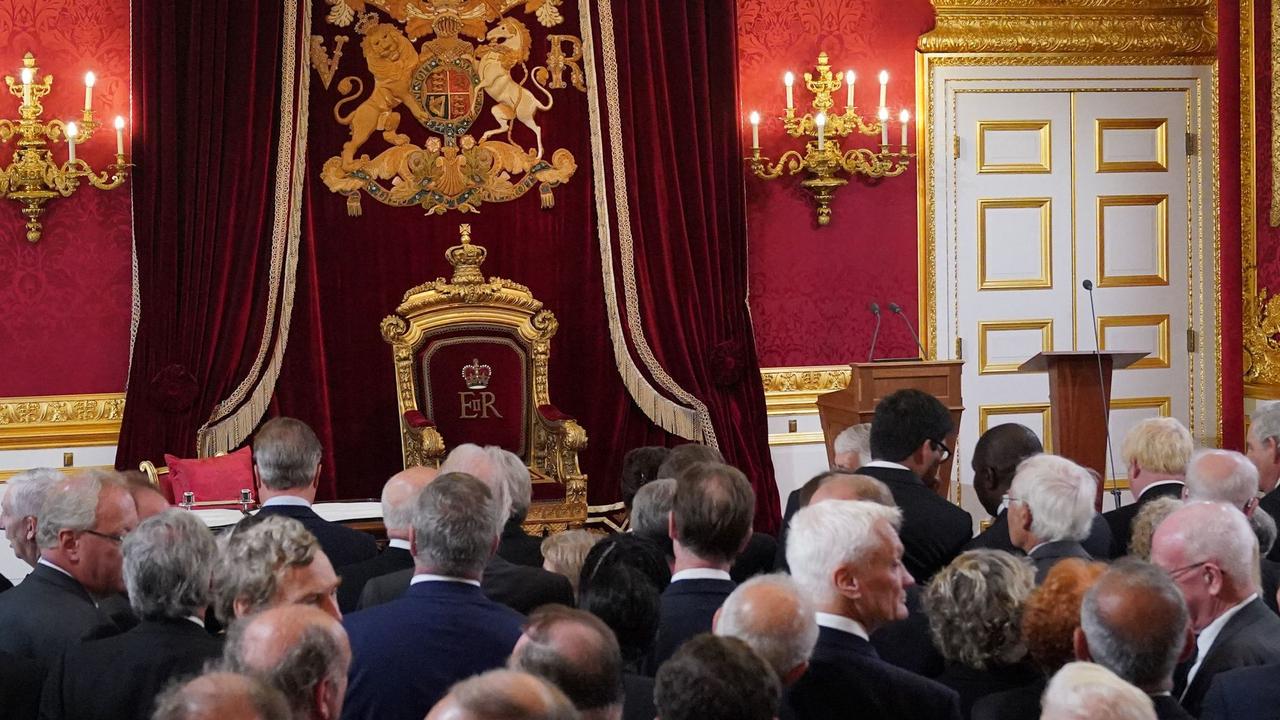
x,y
28,423
1146,27
794,390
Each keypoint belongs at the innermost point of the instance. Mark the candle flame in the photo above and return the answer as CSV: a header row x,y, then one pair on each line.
x,y
90,79
755,118
72,130
884,77
788,79
904,116
119,122
820,120
884,113
27,75
849,77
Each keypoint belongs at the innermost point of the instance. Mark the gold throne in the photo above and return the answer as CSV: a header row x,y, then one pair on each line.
x,y
471,357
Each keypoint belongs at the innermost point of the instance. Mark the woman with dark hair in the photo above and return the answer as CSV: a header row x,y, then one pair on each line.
x,y
622,582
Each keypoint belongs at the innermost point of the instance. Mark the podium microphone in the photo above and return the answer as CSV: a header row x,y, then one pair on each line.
x,y
875,310
1102,385
897,310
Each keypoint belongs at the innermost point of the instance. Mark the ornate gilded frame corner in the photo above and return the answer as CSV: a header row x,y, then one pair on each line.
x,y
795,390
56,421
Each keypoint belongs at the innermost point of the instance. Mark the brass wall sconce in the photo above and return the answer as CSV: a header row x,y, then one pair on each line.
x,y
34,177
824,161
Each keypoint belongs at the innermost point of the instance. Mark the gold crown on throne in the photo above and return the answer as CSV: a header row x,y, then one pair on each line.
x,y
466,259
476,376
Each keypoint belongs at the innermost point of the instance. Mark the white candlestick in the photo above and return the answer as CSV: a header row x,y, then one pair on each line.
x,y
905,118
884,85
71,143
821,122
849,77
119,135
884,126
89,80
26,85
755,130
789,80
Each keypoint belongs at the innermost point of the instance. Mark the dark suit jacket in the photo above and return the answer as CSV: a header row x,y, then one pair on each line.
x,y
1121,519
47,613
1251,637
907,643
1250,693
973,685
355,576
1019,704
5,584
793,507
687,609
119,678
519,587
1051,553
343,545
1270,571
1167,708
637,697
406,653
1271,503
517,546
996,537
756,559
933,530
20,681
847,679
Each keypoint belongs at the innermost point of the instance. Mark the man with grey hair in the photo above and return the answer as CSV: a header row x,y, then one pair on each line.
x,y
504,695
1223,476
222,695
268,562
1085,691
1262,444
517,546
1134,622
772,616
167,567
24,495
852,447
846,557
1211,554
519,587
1050,510
651,511
300,651
410,650
286,468
399,497
80,529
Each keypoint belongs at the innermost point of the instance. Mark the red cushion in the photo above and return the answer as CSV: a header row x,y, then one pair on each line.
x,y
216,478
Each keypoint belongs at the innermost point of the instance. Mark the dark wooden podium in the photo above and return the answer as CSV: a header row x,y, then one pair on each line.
x,y
871,381
1079,401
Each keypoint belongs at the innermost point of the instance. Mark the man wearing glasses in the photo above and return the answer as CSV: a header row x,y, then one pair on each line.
x,y
908,445
79,532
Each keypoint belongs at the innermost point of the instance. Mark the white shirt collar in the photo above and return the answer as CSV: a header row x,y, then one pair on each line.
x,y
46,563
700,574
428,577
1207,636
286,500
842,623
1147,489
398,543
196,619
887,464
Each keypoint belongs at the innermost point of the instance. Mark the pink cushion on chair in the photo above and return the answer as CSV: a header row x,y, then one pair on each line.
x,y
215,478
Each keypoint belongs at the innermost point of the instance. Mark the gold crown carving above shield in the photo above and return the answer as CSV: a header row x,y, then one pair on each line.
x,y
476,376
365,22
466,259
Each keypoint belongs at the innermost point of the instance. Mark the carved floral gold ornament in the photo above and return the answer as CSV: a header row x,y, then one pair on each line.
x,y
824,160
445,84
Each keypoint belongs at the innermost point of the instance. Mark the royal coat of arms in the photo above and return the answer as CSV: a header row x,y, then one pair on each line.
x,y
423,63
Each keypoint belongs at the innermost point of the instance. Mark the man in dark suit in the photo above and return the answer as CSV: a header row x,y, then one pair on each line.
x,y
409,651
301,651
771,614
1247,693
847,558
575,651
1262,445
1050,510
398,500
24,496
1208,549
519,587
710,524
168,565
1156,452
286,468
55,607
1134,622
516,545
908,444
20,681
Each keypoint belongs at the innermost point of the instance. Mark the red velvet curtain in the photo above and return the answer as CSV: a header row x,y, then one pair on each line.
x,y
206,97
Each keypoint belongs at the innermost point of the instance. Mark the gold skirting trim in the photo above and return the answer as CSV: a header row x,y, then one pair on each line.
x,y
794,390
28,423
1147,27
797,438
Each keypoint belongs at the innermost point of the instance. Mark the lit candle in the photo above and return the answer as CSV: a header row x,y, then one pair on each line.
x,y
119,135
884,126
884,85
27,75
788,80
89,80
755,130
71,143
904,117
849,77
821,122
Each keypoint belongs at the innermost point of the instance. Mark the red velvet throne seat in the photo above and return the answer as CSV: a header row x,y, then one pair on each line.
x,y
471,357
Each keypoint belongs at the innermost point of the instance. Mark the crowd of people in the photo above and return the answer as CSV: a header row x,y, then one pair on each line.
x,y
875,601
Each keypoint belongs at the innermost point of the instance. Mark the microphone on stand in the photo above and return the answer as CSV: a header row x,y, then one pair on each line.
x,y
897,310
875,310
1102,385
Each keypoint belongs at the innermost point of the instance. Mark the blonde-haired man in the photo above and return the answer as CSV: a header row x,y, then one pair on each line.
x,y
1156,452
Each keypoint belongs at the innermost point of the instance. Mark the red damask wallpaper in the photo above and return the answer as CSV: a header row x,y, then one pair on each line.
x,y
810,287
66,300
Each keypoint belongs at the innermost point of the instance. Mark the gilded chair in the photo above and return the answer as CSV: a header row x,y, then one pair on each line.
x,y
471,357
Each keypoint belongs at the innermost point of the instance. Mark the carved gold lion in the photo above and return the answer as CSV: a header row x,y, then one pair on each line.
x,y
392,60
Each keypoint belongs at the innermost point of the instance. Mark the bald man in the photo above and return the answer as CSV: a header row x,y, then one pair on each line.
x,y
222,696
772,616
575,651
299,650
504,695
846,486
398,497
